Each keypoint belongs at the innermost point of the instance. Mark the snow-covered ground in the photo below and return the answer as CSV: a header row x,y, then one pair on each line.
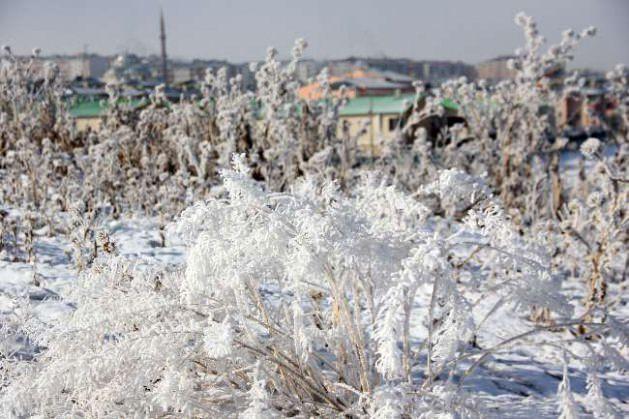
x,y
514,382
523,377
136,238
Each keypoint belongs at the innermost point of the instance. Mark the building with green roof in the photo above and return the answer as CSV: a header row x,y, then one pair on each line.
x,y
371,120
90,113
374,120
88,109
366,105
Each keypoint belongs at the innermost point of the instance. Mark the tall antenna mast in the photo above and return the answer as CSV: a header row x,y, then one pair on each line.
x,y
162,38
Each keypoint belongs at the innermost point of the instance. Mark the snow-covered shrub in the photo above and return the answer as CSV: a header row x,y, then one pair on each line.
x,y
509,127
512,139
308,302
595,226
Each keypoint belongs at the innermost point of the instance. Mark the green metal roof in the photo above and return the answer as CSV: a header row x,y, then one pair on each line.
x,y
385,105
88,109
98,108
359,106
376,105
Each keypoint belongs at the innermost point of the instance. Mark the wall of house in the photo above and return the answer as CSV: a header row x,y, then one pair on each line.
x,y
576,111
381,129
494,70
94,123
375,135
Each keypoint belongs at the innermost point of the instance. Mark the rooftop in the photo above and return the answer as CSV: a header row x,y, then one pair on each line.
x,y
395,104
360,106
370,83
97,108
88,109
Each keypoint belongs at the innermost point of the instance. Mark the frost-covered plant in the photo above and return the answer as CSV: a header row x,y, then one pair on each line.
x,y
511,125
158,157
511,138
567,405
306,303
597,225
82,236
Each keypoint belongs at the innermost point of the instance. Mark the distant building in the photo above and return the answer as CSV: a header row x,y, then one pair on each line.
x,y
371,86
74,66
495,70
372,121
587,111
376,120
129,67
428,71
307,69
181,73
361,82
436,72
199,68
88,114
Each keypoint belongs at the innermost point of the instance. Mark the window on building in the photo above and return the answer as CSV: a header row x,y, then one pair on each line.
x,y
393,123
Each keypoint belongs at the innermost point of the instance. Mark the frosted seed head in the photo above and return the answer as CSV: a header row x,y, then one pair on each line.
x,y
591,147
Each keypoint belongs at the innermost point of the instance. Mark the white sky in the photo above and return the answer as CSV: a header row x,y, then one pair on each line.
x,y
241,30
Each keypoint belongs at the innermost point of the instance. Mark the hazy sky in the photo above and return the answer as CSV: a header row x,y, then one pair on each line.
x,y
241,30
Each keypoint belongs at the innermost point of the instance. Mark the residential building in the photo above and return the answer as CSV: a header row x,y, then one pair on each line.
x,y
428,71
308,69
129,67
372,121
361,81
88,114
495,70
587,111
376,120
73,66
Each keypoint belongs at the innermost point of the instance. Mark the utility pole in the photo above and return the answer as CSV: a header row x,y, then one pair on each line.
x,y
162,38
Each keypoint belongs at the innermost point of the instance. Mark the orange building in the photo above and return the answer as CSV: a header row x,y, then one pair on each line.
x,y
360,82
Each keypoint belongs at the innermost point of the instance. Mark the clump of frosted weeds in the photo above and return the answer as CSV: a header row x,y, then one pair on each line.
x,y
294,303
